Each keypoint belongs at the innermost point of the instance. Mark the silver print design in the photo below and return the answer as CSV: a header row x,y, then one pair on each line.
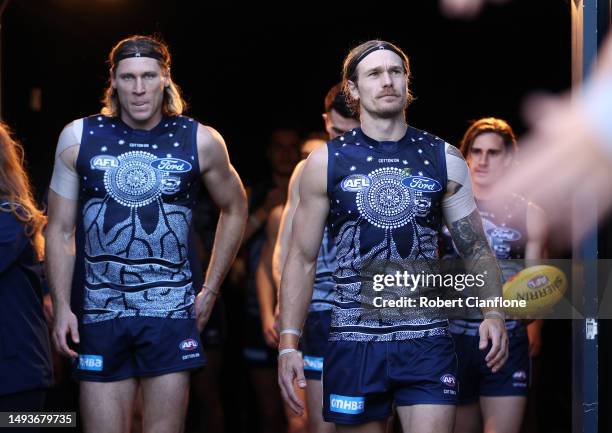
x,y
387,204
128,271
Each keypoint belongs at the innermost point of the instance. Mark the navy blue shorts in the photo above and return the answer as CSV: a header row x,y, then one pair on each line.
x,y
314,342
127,347
361,380
476,379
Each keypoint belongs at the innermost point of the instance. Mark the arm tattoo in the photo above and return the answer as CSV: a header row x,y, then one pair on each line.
x,y
472,245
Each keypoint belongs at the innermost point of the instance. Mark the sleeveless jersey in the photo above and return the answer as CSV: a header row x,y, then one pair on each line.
x,y
323,289
137,190
385,215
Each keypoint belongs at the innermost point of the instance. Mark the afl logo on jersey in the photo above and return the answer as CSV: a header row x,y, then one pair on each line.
x,y
422,183
504,234
104,162
355,182
171,165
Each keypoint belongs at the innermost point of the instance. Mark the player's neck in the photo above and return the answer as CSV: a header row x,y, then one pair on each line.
x,y
383,129
146,125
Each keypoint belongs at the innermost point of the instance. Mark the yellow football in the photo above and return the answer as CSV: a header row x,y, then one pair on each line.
x,y
541,286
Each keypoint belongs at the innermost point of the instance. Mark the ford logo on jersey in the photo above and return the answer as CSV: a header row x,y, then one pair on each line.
x,y
171,165
448,380
188,344
355,182
104,162
346,404
422,183
504,234
91,362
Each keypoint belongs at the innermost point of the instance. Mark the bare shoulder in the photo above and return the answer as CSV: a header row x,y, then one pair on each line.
x,y
314,175
211,147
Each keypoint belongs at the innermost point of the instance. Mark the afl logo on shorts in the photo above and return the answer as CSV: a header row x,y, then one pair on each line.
x,y
355,182
171,165
188,344
520,375
103,162
448,380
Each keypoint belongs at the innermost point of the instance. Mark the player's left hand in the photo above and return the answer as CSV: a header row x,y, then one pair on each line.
x,y
494,329
204,303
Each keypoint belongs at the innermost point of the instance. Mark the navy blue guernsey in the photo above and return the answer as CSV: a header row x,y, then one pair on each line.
x,y
323,290
385,213
137,191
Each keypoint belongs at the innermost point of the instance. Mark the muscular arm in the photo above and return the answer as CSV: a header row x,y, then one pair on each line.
x,y
281,248
226,190
299,270
465,226
266,290
60,242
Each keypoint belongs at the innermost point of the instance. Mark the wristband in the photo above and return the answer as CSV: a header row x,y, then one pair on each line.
x,y
285,351
291,331
494,314
214,292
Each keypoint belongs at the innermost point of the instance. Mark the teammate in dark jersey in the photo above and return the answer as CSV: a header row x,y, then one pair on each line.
x,y
25,360
338,119
495,402
126,180
383,190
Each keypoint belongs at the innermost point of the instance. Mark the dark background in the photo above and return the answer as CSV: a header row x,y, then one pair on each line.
x,y
246,70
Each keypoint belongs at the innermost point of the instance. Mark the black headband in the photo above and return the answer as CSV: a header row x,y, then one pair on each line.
x,y
383,46
150,54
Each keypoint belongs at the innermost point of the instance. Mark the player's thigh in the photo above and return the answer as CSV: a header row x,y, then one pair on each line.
x,y
107,406
427,418
502,414
467,418
314,399
165,402
368,427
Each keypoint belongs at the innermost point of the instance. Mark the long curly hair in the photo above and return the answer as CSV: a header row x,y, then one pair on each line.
x,y
16,190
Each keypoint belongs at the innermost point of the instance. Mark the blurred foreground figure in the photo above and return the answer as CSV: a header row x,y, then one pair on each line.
x,y
569,150
464,8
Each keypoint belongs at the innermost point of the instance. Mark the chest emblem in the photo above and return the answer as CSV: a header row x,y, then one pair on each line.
x,y
135,179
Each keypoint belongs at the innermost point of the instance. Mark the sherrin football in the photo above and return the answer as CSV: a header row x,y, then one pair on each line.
x,y
541,286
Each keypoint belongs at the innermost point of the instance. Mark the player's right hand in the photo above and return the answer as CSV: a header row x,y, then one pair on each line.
x,y
290,370
64,323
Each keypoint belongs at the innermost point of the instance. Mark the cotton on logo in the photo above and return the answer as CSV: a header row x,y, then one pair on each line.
x,y
188,344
